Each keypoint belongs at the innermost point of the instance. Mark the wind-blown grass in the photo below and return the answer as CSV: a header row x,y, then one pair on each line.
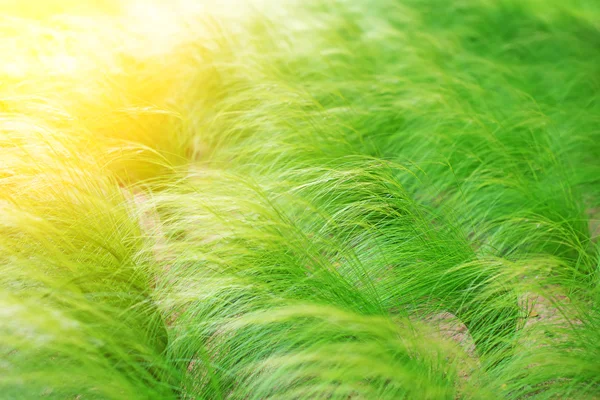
x,y
283,202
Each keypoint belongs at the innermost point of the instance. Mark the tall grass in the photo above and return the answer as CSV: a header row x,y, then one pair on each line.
x,y
318,199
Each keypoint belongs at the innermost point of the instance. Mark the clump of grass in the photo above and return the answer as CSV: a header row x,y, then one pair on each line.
x,y
278,203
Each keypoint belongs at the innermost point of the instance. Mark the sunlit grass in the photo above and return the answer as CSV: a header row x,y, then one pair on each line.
x,y
344,199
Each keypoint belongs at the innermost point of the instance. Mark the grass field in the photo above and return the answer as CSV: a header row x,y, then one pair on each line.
x,y
316,199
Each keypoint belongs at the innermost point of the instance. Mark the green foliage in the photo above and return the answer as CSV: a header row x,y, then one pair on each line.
x,y
294,203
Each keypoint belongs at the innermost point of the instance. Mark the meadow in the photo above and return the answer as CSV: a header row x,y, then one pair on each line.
x,y
316,199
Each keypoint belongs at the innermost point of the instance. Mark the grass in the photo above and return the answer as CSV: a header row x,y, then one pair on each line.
x,y
290,200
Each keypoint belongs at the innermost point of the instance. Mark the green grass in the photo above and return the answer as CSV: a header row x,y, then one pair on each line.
x,y
284,204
